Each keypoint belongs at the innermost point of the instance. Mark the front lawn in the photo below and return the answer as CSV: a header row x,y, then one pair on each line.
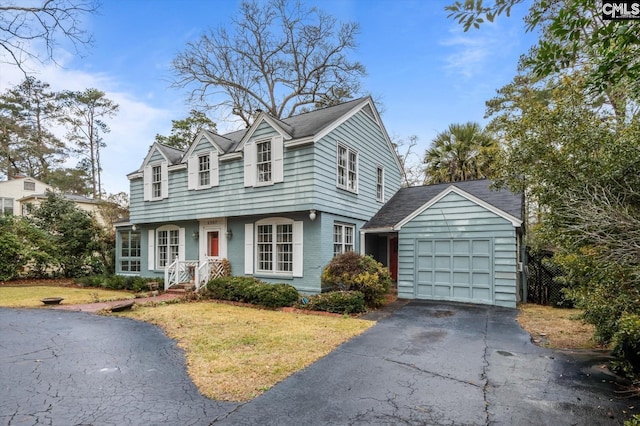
x,y
24,296
236,353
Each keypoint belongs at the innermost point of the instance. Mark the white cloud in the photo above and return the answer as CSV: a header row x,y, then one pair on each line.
x,y
133,129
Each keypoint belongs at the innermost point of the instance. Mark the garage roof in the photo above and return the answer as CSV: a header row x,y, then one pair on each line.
x,y
408,200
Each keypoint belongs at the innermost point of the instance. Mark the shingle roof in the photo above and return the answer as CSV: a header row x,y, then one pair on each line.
x,y
174,155
299,126
408,200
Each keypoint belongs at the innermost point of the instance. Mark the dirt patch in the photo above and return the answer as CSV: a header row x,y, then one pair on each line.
x,y
556,328
51,282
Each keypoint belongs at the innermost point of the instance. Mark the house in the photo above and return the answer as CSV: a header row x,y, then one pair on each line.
x,y
13,190
457,241
19,194
83,203
278,199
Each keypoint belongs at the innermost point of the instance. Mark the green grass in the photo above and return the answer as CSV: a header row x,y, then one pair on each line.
x,y
30,296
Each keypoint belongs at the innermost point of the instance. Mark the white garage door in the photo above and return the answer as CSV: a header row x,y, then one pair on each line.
x,y
458,270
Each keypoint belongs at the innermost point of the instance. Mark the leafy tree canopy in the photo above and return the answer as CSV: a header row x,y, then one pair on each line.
x,y
184,131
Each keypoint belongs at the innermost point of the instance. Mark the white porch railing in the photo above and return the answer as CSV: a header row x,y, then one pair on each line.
x,y
180,272
192,272
209,270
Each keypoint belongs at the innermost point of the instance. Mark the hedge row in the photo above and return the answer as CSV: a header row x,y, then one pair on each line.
x,y
251,290
339,302
118,282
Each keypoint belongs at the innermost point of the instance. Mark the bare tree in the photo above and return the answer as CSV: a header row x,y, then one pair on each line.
x,y
412,167
281,58
23,23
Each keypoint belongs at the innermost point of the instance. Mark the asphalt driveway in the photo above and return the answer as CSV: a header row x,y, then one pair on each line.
x,y
426,364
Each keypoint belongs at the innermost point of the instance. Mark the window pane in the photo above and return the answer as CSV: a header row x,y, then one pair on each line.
x,y
156,181
135,244
265,247
264,161
124,236
342,166
124,265
204,169
285,248
29,186
379,184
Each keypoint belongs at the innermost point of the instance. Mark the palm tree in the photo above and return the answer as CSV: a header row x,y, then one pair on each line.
x,y
462,152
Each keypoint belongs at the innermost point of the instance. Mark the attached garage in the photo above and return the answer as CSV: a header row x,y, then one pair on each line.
x,y
455,242
454,270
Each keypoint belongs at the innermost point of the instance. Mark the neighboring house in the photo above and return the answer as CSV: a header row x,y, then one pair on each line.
x,y
19,194
83,203
278,199
12,191
457,241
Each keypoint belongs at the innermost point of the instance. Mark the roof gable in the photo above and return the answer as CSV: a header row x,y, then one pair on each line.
x,y
280,127
169,154
407,203
203,137
453,189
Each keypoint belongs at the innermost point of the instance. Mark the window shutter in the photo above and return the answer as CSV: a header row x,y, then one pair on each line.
x,y
181,239
248,248
214,164
151,251
192,170
298,236
249,171
164,171
278,157
146,178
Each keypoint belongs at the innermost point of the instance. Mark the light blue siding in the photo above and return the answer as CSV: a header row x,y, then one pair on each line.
x,y
309,182
455,218
310,174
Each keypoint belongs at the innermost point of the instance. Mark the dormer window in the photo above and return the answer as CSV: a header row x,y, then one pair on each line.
x,y
156,182
204,170
263,163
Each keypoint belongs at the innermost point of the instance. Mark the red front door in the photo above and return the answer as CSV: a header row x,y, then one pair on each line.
x,y
213,244
393,258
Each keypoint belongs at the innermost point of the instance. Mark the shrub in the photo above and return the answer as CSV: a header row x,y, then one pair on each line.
x,y
627,344
117,282
339,302
351,271
251,290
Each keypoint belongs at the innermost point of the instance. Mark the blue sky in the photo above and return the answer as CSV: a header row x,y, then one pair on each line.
x,y
421,66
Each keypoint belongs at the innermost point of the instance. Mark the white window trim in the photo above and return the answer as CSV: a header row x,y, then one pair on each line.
x,y
251,248
148,181
251,163
343,233
381,198
357,168
156,254
193,167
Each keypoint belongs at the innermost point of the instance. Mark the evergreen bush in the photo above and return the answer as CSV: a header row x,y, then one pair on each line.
x,y
352,272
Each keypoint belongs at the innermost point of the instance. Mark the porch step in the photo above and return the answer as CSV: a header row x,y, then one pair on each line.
x,y
181,288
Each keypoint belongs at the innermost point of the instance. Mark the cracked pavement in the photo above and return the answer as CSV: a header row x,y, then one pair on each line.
x,y
426,364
